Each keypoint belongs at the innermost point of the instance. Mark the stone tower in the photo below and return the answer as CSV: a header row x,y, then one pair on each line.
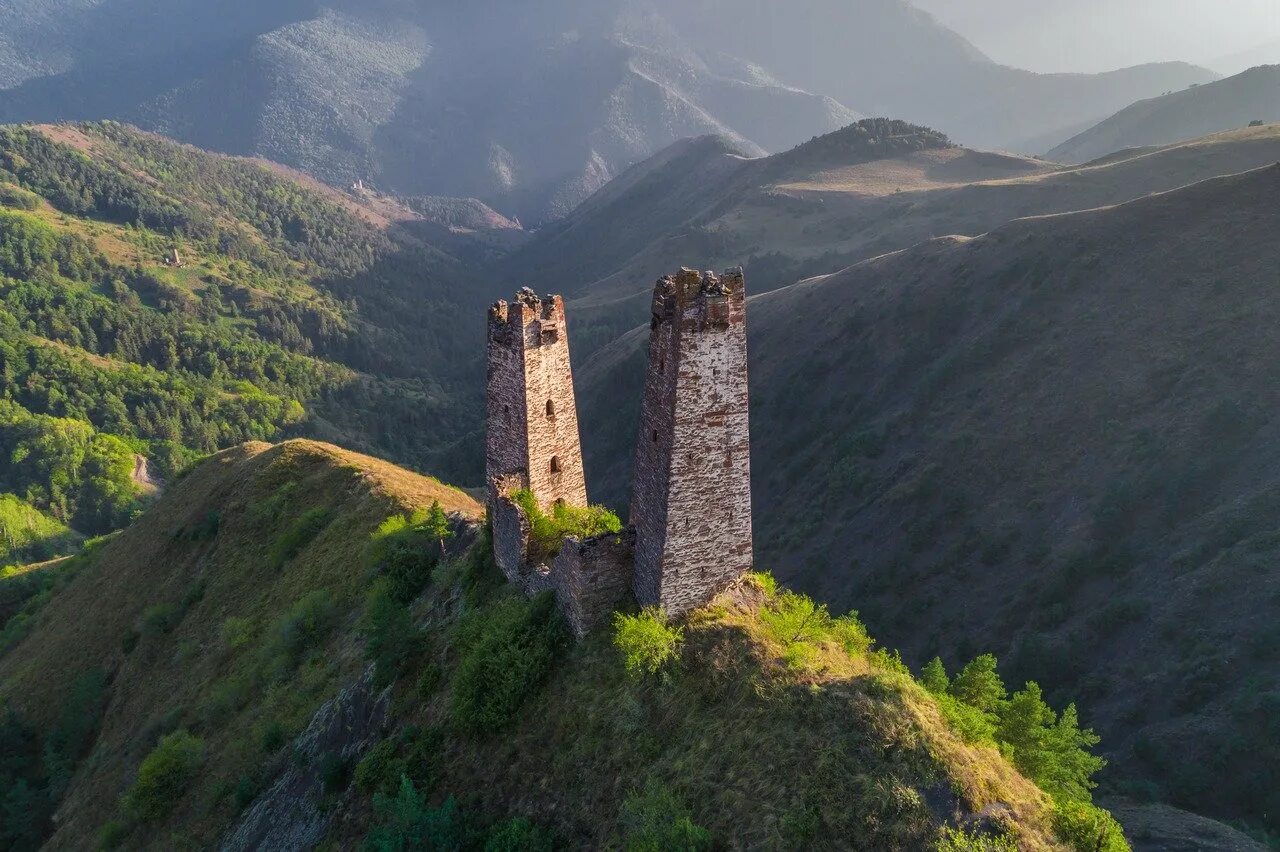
x,y
691,494
532,440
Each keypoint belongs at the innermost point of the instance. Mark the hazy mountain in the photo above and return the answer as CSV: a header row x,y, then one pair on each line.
x,y
837,200
1263,54
527,109
1234,102
1056,440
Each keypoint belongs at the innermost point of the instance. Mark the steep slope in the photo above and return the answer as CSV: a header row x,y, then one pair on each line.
x,y
161,302
871,188
220,695
1054,440
199,616
528,109
1253,95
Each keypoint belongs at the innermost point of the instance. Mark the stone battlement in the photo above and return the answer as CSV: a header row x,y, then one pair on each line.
x,y
526,308
703,299
690,534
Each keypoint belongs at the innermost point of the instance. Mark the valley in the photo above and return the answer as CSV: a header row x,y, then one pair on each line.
x,y
1012,413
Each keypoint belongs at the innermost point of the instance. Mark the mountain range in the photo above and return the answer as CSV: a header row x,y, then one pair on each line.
x,y
1249,97
529,110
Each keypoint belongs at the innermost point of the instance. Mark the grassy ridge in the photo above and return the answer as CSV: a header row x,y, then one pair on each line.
x,y
263,581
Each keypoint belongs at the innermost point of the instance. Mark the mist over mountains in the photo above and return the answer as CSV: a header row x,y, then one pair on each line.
x,y
529,109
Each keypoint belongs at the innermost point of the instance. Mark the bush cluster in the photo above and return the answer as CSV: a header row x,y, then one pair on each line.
x,y
405,821
507,650
164,776
802,626
405,550
646,641
1049,748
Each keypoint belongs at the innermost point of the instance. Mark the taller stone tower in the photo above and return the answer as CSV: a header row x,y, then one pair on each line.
x,y
691,494
532,440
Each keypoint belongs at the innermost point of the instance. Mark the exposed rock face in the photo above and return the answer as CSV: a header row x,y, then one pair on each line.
x,y
290,814
691,497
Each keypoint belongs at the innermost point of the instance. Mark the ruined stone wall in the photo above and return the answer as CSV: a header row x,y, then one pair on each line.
x,y
593,579
510,531
691,497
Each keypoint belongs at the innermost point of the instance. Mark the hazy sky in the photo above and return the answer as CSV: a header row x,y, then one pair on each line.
x,y
1096,35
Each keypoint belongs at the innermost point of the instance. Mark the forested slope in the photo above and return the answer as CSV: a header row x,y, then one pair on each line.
x,y
160,302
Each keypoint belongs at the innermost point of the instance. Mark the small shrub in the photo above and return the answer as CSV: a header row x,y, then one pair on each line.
x,y
480,575
547,532
129,640
246,791
299,534
959,840
1087,828
647,642
333,772
518,835
429,681
304,626
206,528
379,770
164,776
507,650
654,820
112,834
236,633
273,737
390,635
765,581
159,619
799,826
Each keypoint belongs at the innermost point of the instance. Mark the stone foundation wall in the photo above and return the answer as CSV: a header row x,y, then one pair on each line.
x,y
593,579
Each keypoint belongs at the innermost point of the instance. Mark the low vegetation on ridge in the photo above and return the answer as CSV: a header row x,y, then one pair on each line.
x,y
761,719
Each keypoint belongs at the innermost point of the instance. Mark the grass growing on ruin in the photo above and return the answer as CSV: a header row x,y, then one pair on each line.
x,y
547,532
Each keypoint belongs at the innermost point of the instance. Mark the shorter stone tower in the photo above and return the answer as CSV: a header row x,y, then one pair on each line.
x,y
532,418
691,494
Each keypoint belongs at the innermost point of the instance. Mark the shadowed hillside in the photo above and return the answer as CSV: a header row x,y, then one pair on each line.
x,y
1055,440
875,187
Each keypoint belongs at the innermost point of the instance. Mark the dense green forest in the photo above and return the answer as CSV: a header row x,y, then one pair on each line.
x,y
162,302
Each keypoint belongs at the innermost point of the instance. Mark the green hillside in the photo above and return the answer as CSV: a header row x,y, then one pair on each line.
x,y
161,302
277,655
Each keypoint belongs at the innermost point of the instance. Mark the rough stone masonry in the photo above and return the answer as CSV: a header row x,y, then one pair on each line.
x,y
690,533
